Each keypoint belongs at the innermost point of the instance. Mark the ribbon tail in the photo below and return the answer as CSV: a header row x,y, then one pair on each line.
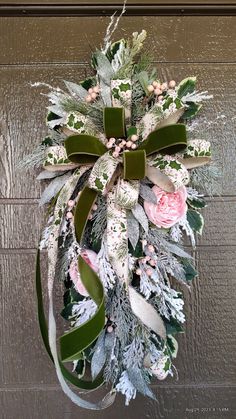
x,y
50,336
117,243
146,313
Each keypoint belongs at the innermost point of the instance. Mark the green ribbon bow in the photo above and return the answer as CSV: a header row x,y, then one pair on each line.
x,y
85,149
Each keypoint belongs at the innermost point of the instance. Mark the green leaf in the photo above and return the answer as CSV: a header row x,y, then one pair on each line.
x,y
167,103
190,271
87,83
196,203
195,220
80,368
47,141
131,131
186,86
143,79
192,110
51,116
138,252
66,312
173,327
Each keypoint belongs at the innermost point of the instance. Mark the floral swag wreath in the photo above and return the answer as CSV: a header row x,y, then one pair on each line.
x,y
119,161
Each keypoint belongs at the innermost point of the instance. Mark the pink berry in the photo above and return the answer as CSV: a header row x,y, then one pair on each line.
x,y
115,154
144,242
147,258
71,203
129,144
90,90
133,146
88,98
123,142
151,248
160,98
96,89
112,140
134,137
152,262
110,329
150,88
149,272
157,92
109,145
172,84
90,217
155,84
95,207
69,215
93,95
164,86
117,149
138,271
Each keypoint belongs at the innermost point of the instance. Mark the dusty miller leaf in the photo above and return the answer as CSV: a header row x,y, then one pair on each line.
x,y
147,193
53,188
140,215
133,229
45,174
99,356
177,250
138,381
76,89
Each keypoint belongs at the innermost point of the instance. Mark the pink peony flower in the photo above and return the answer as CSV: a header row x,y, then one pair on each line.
x,y
170,207
90,258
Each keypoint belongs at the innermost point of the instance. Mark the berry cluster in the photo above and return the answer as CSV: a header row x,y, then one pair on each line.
x,y
93,93
119,145
148,261
158,89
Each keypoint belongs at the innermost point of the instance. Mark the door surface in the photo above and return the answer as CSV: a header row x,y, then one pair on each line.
x,y
49,49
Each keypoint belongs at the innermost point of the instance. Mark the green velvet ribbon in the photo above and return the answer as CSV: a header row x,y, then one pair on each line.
x,y
77,339
167,140
134,164
82,384
114,122
84,148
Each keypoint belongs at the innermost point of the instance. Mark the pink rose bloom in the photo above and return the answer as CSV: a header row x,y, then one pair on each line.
x,y
170,207
90,258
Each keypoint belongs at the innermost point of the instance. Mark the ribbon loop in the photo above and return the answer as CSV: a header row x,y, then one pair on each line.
x,y
114,122
84,148
169,139
75,341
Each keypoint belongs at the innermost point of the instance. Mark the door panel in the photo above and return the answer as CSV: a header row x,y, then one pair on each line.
x,y
50,49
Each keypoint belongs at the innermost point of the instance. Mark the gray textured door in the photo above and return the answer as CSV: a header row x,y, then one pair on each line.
x,y
49,49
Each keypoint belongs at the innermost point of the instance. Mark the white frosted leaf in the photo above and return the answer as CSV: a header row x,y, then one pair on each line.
x,y
76,89
140,215
133,229
147,194
99,356
53,188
